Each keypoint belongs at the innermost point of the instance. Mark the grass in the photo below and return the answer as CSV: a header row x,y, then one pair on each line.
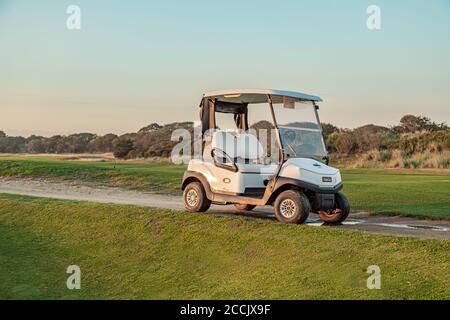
x,y
133,252
409,193
419,194
157,177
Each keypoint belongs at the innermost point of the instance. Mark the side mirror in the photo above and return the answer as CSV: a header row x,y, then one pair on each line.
x,y
326,159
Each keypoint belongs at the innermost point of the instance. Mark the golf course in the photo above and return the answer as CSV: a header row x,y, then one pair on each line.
x,y
131,252
128,251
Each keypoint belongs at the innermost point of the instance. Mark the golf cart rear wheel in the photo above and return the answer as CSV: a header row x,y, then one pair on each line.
x,y
194,197
292,206
244,207
339,213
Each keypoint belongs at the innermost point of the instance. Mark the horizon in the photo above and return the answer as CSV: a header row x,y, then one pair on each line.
x,y
133,64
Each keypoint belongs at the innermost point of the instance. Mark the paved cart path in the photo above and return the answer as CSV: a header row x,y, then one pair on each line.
x,y
398,226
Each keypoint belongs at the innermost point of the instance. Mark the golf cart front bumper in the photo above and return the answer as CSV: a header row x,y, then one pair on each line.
x,y
310,186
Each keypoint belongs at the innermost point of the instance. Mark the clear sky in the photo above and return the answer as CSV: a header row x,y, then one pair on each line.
x,y
136,62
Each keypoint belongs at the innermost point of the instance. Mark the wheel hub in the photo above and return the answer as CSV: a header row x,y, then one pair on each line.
x,y
331,212
192,198
288,208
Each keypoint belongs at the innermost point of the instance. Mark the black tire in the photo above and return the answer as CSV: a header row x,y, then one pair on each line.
x,y
195,199
339,213
292,206
245,207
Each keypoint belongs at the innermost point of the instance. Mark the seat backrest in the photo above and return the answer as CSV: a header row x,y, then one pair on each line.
x,y
226,142
249,147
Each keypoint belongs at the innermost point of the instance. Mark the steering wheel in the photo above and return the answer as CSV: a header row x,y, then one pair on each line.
x,y
308,148
289,135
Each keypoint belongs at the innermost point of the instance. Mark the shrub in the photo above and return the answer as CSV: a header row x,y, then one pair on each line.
x,y
122,148
331,142
444,163
413,164
346,142
404,154
385,155
437,141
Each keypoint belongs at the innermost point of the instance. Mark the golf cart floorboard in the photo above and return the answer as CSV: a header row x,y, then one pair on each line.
x,y
254,193
244,199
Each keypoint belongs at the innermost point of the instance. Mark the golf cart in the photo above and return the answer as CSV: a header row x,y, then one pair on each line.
x,y
290,173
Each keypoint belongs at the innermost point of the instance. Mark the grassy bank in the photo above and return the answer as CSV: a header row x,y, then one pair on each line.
x,y
411,193
131,252
158,177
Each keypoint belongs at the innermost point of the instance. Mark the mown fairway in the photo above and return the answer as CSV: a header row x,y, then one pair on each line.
x,y
377,191
132,252
399,192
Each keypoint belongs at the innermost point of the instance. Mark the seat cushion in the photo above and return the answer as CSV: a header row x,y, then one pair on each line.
x,y
249,147
226,142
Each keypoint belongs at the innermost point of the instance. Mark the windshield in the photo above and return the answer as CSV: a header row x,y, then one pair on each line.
x,y
300,130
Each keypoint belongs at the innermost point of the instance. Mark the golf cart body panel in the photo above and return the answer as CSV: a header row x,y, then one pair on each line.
x,y
221,180
311,171
235,170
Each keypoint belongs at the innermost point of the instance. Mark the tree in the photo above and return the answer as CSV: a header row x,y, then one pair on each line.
x,y
346,143
328,129
433,126
411,124
122,148
150,128
2,134
36,145
102,143
78,143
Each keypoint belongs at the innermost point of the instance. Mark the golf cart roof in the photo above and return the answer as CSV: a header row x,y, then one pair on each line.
x,y
257,95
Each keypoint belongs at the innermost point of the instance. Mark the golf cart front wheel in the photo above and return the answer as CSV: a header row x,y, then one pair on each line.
x,y
194,197
339,213
244,207
292,206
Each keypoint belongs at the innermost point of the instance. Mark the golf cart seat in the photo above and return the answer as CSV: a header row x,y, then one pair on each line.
x,y
241,149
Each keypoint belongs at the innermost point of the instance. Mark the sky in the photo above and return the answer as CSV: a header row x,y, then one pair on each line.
x,y
137,62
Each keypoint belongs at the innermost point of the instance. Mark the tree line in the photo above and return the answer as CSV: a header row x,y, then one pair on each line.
x,y
412,134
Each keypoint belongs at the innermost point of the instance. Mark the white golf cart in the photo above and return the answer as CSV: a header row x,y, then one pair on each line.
x,y
236,168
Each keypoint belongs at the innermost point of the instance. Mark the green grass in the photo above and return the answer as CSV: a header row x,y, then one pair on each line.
x,y
158,177
133,252
398,192
407,193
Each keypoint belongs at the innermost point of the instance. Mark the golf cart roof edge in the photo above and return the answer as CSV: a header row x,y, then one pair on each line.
x,y
284,93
